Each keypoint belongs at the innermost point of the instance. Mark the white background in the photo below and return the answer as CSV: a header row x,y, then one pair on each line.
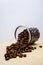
x,y
20,12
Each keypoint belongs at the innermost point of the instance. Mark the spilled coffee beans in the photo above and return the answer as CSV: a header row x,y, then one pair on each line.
x,y
22,46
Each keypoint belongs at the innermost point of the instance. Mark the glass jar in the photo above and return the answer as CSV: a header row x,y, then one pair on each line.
x,y
28,35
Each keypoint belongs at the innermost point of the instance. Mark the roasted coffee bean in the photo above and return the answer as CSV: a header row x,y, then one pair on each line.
x,y
26,50
8,52
24,55
29,50
11,55
13,44
20,55
14,56
23,51
34,47
18,51
8,48
6,57
11,51
40,46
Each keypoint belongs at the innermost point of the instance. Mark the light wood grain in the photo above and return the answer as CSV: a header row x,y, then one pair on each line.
x,y
33,58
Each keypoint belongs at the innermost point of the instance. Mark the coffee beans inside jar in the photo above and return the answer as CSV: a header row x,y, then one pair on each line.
x,y
23,44
27,35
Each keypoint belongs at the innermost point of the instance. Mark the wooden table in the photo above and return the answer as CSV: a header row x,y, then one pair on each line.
x,y
33,58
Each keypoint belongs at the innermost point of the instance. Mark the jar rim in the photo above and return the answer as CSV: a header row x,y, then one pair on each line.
x,y
24,27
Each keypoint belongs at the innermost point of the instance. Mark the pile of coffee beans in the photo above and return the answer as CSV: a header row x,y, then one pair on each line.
x,y
35,34
23,37
21,46
17,49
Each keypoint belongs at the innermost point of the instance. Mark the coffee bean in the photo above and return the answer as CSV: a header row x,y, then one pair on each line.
x,y
12,51
29,50
6,57
8,51
8,48
40,46
23,51
11,55
34,47
24,55
20,55
14,56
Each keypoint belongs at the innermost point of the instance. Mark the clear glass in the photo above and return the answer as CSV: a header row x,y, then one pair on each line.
x,y
34,33
20,29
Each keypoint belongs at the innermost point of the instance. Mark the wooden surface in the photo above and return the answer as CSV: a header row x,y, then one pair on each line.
x,y
33,58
